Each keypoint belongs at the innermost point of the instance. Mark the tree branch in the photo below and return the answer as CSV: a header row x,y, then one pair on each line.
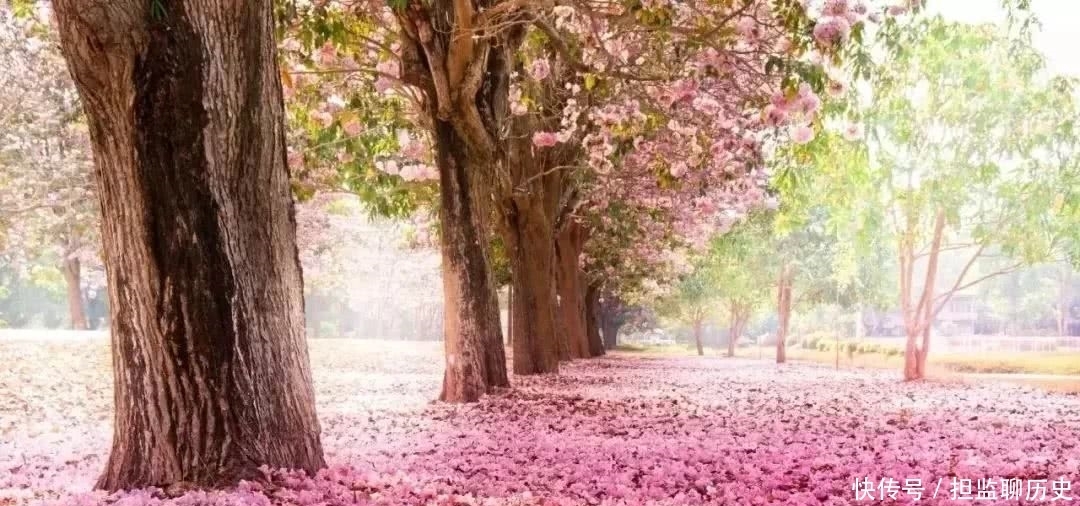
x,y
435,58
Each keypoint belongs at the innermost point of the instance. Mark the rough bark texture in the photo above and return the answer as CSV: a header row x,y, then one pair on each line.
x,y
532,255
697,338
212,377
76,306
783,310
597,345
472,333
571,290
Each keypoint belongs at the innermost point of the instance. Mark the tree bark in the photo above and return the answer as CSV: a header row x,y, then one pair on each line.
x,y
211,372
472,330
697,337
597,343
532,261
76,305
571,291
735,327
610,319
918,320
783,309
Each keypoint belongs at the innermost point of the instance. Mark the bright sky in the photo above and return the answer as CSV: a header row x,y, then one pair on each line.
x,y
1058,39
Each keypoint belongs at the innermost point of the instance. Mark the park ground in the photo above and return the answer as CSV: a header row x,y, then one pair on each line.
x,y
629,428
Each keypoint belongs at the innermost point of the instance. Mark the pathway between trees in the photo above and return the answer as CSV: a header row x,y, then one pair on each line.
x,y
623,429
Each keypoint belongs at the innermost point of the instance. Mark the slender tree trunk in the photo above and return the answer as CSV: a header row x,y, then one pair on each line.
x,y
597,347
571,290
76,305
211,372
597,343
532,261
918,320
697,337
1064,297
472,333
783,309
735,328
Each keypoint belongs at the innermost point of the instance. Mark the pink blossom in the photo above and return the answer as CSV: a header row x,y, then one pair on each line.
x,y
388,166
853,132
774,115
545,139
678,169
809,104
539,69
831,31
324,118
352,128
801,134
835,8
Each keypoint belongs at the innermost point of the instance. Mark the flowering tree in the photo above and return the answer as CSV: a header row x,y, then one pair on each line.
x,y
186,120
540,114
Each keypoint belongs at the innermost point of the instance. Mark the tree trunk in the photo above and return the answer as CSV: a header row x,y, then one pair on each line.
x,y
571,291
697,337
597,343
610,320
532,262
918,320
472,333
735,328
76,305
783,309
211,372
1064,297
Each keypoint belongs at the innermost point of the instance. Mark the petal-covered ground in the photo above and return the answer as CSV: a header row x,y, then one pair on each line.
x,y
622,429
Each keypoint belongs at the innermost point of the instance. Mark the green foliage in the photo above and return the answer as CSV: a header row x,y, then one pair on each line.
x,y
958,118
340,145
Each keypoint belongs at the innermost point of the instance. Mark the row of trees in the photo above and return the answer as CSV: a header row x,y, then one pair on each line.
x,y
577,142
960,149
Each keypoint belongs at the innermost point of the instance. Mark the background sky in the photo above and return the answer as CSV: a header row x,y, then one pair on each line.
x,y
1059,38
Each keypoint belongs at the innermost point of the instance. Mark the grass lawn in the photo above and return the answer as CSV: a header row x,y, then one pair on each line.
x,y
942,365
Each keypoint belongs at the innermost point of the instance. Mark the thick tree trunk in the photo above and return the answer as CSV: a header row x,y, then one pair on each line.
x,y
212,376
610,319
571,290
76,305
472,333
697,337
532,261
783,309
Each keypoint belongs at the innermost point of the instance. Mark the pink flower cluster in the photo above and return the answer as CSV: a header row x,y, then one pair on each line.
x,y
620,430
